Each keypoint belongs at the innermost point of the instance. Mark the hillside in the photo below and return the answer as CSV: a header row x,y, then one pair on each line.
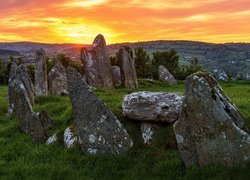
x,y
234,58
21,159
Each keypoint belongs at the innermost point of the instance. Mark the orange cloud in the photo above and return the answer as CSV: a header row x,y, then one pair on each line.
x,y
79,21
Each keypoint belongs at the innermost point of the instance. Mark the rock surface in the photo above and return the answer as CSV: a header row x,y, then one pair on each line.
x,y
127,67
69,138
147,131
52,139
152,106
19,73
41,79
165,76
209,129
57,80
98,129
221,75
36,124
116,73
96,64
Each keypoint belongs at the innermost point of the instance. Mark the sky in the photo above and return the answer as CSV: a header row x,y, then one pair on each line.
x,y
79,21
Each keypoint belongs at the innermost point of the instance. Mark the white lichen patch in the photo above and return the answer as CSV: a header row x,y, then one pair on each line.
x,y
179,138
69,138
147,133
92,138
52,139
92,150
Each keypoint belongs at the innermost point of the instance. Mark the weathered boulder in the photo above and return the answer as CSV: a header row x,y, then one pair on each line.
x,y
221,75
12,76
57,80
99,130
209,129
96,64
152,106
116,73
127,67
165,76
41,79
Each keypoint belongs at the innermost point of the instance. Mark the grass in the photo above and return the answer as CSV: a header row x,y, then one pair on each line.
x,y
21,159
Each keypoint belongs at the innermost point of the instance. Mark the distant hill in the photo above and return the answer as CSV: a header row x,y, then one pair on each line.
x,y
234,58
4,52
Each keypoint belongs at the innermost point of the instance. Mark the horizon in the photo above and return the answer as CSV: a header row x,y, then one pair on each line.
x,y
124,21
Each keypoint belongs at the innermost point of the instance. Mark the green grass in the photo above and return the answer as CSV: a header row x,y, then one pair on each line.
x,y
21,159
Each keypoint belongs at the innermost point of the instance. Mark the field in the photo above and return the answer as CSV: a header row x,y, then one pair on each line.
x,y
21,159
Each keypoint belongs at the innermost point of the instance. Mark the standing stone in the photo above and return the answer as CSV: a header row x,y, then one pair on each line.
x,y
41,82
128,72
116,72
96,64
57,80
210,127
152,106
23,76
99,130
11,99
165,76
36,124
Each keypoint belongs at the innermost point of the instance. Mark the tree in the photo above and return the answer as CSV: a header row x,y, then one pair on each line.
x,y
141,62
169,59
4,73
31,71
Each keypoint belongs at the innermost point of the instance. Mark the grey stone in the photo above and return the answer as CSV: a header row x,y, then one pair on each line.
x,y
98,129
221,75
210,127
127,67
165,76
116,73
36,124
41,79
57,80
152,106
96,63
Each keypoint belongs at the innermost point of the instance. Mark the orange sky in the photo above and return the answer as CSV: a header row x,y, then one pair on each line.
x,y
79,21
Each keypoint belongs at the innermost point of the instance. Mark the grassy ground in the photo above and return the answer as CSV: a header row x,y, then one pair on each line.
x,y
21,159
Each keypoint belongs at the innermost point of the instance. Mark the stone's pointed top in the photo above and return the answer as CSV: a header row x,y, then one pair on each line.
x,y
99,40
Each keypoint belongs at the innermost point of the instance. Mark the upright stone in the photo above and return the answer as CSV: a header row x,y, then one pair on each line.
x,y
23,76
116,72
36,124
96,64
165,76
210,127
128,72
11,99
41,83
57,80
99,130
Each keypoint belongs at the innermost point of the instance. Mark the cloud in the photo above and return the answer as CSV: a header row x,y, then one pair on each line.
x,y
78,21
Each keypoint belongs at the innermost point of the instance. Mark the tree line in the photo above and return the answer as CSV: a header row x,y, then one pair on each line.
x,y
146,67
